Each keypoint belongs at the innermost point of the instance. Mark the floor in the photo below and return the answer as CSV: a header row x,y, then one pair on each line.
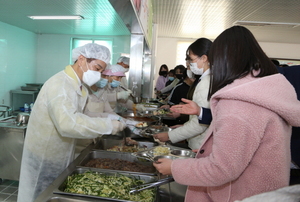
x,y
9,191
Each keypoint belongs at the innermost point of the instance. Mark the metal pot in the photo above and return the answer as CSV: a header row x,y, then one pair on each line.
x,y
22,118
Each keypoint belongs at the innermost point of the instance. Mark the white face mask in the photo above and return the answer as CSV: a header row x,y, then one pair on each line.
x,y
126,69
195,69
190,74
90,77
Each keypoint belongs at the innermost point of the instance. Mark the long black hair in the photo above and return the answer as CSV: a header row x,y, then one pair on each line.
x,y
161,73
199,47
234,54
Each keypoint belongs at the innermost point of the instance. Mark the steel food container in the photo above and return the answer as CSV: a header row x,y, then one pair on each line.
x,y
58,198
150,169
145,178
107,142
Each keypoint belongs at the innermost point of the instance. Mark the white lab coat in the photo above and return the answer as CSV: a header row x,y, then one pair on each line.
x,y
55,122
96,106
118,105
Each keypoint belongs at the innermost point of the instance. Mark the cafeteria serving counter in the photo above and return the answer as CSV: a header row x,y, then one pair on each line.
x,y
170,192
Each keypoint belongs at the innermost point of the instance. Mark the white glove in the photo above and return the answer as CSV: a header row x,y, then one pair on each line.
x,y
134,130
130,122
117,126
140,107
115,117
123,95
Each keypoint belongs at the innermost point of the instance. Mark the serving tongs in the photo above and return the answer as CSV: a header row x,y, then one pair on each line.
x,y
145,156
132,96
150,185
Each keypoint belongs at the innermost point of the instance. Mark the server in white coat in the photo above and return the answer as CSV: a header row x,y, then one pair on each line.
x,y
199,65
97,106
124,62
57,120
118,98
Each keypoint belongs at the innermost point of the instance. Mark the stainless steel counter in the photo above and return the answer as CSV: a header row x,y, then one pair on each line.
x,y
172,192
11,148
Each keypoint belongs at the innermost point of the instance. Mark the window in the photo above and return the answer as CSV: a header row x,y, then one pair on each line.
x,y
105,42
181,52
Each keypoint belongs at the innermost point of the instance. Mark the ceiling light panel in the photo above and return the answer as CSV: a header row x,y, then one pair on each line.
x,y
65,17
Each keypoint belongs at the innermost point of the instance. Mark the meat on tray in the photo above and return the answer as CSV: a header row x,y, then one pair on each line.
x,y
118,164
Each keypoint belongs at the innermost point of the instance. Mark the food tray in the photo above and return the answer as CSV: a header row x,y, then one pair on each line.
x,y
145,178
174,153
154,129
107,142
119,155
132,117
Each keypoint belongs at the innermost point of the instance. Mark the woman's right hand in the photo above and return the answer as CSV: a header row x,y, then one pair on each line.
x,y
190,108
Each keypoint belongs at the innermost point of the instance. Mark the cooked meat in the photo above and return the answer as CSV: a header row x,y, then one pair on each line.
x,y
118,164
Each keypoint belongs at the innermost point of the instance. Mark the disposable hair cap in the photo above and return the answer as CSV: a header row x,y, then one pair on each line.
x,y
114,70
124,59
92,50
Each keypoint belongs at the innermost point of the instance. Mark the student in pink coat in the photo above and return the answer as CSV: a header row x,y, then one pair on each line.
x,y
246,150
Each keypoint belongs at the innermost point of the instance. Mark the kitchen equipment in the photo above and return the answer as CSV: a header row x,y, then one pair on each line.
x,y
116,156
22,118
154,129
62,186
5,111
53,193
150,185
11,148
182,152
164,151
108,141
32,87
164,156
133,98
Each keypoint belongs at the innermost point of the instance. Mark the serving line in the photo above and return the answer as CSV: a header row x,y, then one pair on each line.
x,y
171,191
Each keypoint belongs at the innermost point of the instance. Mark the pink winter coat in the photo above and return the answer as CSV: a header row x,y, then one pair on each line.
x,y
247,146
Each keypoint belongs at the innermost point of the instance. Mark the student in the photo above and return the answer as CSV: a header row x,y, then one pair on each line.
x,y
246,150
163,77
191,130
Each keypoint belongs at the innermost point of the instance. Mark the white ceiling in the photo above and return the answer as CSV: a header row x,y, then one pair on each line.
x,y
175,18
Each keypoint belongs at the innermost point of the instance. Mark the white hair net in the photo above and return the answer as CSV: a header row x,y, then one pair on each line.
x,y
124,59
92,50
117,68
114,70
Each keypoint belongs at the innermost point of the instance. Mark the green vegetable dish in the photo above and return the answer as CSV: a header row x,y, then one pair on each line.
x,y
109,186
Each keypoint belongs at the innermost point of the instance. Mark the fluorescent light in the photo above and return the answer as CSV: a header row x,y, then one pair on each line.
x,y
62,17
258,23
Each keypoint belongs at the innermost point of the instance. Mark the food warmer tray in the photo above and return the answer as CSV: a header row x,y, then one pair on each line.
x,y
107,142
146,178
117,155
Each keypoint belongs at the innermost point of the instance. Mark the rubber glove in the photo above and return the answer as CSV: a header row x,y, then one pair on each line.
x,y
117,126
134,129
116,117
131,122
140,107
123,95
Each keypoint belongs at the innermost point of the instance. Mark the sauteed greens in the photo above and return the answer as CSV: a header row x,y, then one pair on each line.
x,y
110,186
